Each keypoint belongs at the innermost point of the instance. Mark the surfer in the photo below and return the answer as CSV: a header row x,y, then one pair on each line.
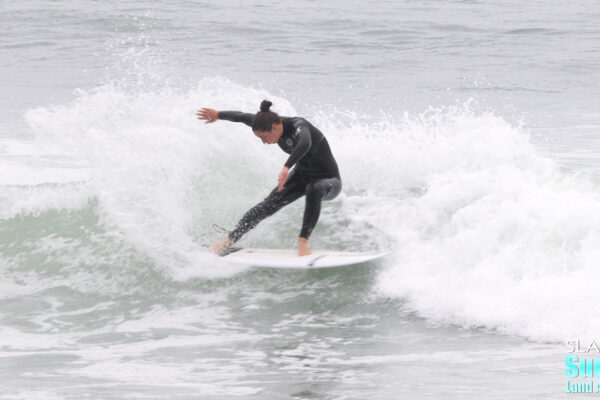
x,y
315,173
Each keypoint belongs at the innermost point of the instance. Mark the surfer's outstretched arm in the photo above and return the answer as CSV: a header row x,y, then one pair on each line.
x,y
211,115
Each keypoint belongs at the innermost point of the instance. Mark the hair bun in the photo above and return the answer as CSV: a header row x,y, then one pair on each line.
x,y
265,105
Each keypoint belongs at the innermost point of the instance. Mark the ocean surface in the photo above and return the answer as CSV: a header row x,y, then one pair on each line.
x,y
468,138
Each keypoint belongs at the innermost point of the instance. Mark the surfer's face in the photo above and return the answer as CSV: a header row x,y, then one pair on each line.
x,y
272,136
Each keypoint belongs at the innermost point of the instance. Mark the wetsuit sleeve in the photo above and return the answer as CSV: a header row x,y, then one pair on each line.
x,y
236,116
302,147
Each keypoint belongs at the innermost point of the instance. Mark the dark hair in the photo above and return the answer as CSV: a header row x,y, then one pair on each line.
x,y
263,119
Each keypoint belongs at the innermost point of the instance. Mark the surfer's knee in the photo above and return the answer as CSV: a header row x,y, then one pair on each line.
x,y
324,189
334,187
313,191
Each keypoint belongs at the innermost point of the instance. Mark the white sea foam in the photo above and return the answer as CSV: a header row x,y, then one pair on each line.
x,y
36,199
494,235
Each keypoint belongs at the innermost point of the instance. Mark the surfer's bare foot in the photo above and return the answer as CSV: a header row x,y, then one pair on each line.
x,y
220,246
303,249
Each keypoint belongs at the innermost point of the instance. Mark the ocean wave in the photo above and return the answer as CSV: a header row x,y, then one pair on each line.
x,y
484,230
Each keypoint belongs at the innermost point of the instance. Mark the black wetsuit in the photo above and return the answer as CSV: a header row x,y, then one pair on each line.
x,y
315,174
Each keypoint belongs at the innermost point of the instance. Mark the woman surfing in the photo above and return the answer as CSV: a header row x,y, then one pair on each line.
x,y
315,173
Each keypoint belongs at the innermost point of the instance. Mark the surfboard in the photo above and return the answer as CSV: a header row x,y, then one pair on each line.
x,y
284,258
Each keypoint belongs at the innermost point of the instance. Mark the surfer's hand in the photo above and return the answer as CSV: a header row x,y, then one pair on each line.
x,y
283,177
220,246
208,114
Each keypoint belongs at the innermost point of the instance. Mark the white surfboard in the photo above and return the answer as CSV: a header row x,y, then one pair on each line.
x,y
283,258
